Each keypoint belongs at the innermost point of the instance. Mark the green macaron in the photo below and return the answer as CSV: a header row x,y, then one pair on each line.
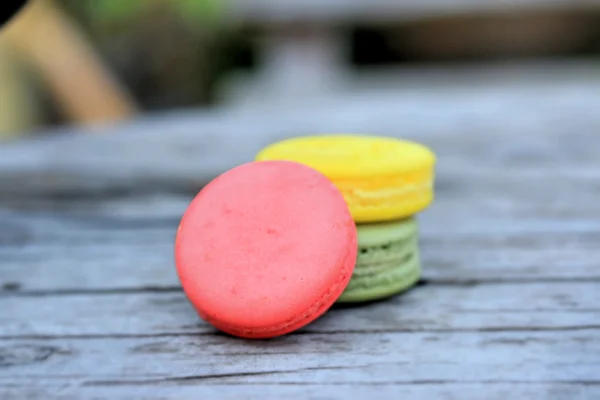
x,y
388,261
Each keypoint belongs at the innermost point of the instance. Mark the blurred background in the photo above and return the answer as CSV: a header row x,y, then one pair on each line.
x,y
73,62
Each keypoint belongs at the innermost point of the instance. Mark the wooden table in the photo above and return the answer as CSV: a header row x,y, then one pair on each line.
x,y
509,305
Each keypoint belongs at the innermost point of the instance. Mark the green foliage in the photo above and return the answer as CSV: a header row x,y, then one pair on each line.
x,y
199,10
114,10
192,11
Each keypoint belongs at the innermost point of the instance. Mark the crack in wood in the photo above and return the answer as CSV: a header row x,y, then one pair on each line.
x,y
309,331
11,356
203,378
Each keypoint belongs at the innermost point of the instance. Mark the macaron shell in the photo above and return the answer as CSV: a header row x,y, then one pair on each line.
x,y
378,234
380,178
351,156
265,248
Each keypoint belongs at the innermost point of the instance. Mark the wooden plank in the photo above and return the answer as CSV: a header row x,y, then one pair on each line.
x,y
350,391
44,252
261,11
536,359
434,308
506,121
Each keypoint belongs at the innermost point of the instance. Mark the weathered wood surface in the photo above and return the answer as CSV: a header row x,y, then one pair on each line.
x,y
91,308
386,10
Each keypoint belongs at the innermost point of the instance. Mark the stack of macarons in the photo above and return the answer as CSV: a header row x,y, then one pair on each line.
x,y
269,246
385,182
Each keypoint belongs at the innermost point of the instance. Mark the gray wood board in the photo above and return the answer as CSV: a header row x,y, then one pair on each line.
x,y
462,241
502,125
489,390
534,362
449,308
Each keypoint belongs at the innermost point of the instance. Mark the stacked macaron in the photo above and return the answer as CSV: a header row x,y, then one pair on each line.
x,y
385,183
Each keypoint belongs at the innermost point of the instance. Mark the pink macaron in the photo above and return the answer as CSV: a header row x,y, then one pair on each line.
x,y
265,248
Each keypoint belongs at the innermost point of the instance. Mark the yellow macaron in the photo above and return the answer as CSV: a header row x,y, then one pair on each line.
x,y
381,178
